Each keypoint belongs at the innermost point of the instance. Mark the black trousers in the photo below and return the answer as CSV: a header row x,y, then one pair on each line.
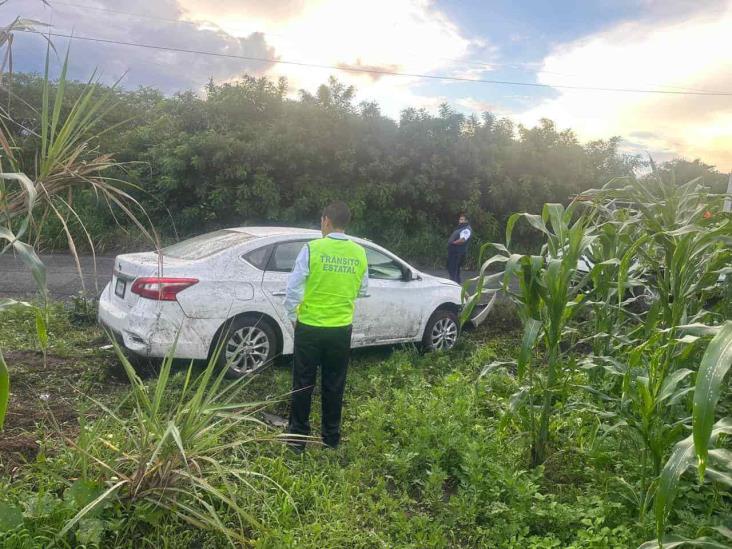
x,y
329,348
454,263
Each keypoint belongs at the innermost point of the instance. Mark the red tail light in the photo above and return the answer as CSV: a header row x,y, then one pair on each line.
x,y
162,289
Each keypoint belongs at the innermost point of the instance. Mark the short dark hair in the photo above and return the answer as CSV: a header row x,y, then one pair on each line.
x,y
338,213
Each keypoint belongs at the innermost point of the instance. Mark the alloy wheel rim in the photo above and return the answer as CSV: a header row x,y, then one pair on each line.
x,y
247,349
444,334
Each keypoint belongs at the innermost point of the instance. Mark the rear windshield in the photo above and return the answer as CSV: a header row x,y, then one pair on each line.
x,y
205,244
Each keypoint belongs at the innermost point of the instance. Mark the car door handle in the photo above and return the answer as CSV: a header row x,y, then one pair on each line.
x,y
279,292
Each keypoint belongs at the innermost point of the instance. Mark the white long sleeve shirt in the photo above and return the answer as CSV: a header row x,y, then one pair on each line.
x,y
298,276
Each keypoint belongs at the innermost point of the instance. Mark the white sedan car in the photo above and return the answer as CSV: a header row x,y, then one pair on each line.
x,y
228,287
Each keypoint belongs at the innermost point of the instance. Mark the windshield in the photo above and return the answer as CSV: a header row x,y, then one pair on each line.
x,y
205,244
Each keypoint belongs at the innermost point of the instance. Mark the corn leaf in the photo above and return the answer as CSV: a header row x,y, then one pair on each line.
x,y
4,389
28,256
532,328
41,328
668,388
714,366
671,542
681,459
27,186
533,219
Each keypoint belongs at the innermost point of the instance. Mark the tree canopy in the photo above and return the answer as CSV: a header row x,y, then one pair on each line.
x,y
245,152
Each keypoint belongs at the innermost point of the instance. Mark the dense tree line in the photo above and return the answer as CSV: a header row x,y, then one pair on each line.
x,y
245,153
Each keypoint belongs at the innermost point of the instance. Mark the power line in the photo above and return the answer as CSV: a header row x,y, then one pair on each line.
x,y
365,70
280,35
484,65
682,88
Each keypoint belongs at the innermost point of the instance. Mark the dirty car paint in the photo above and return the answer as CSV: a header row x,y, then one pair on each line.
x,y
228,286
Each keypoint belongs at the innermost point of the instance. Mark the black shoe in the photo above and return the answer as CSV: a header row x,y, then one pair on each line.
x,y
297,449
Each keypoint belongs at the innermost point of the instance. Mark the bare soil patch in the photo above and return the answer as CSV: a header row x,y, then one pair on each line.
x,y
44,404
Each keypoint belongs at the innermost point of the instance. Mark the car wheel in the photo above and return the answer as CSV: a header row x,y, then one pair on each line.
x,y
442,331
249,343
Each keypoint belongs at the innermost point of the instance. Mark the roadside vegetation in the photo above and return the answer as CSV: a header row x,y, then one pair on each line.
x,y
629,299
246,153
433,457
597,415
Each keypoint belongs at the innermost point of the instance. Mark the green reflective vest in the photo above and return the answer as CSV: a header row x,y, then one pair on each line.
x,y
337,268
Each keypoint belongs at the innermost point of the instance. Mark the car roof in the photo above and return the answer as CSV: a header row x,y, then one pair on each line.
x,y
275,231
270,232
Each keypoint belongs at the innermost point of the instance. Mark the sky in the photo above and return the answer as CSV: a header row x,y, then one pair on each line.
x,y
660,45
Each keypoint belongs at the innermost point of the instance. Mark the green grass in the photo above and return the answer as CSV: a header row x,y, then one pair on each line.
x,y
430,458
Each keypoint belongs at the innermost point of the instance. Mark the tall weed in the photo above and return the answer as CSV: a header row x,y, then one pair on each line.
x,y
180,450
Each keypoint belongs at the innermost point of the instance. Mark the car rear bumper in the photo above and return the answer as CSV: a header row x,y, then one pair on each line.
x,y
150,328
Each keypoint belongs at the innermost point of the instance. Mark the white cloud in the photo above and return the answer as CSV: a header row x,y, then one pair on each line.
x,y
471,71
252,10
168,70
476,105
404,36
407,36
689,55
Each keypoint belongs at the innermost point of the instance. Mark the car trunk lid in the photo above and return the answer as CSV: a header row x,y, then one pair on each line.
x,y
129,267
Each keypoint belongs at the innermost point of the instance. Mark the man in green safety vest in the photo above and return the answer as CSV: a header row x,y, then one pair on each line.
x,y
328,276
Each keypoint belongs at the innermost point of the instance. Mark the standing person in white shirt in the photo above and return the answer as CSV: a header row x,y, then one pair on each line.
x,y
329,274
457,247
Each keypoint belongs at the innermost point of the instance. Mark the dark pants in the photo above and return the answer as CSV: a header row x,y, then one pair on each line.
x,y
454,262
329,348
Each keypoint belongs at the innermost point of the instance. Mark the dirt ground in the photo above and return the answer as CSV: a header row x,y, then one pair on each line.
x,y
45,401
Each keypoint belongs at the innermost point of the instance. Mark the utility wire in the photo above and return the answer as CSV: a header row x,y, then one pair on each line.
x,y
483,64
203,23
365,70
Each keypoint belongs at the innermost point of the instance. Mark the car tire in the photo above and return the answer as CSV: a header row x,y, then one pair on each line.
x,y
249,344
442,331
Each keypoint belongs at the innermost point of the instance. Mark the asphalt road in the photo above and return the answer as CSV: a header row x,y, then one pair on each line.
x,y
63,278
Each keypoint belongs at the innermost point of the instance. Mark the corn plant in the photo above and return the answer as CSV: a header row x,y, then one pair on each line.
x,y
10,241
608,317
699,449
679,250
180,450
65,162
652,408
549,296
4,389
678,245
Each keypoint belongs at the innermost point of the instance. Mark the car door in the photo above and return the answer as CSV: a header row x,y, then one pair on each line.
x,y
392,310
278,268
